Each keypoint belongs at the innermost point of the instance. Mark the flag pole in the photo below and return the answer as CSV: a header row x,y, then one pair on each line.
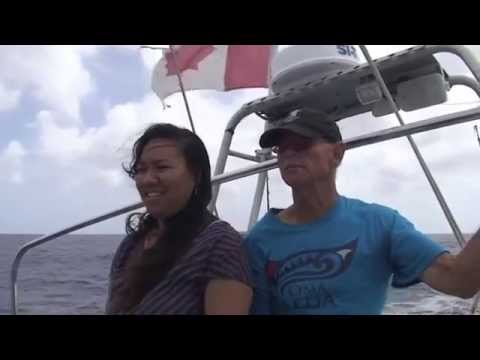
x,y
179,77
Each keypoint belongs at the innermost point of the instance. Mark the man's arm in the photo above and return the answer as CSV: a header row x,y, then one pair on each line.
x,y
457,275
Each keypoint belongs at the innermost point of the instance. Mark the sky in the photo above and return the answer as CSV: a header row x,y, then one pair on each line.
x,y
69,115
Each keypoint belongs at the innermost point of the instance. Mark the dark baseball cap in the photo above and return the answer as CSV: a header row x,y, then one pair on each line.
x,y
305,122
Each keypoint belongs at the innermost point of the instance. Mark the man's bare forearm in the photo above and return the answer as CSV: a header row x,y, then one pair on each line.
x,y
467,264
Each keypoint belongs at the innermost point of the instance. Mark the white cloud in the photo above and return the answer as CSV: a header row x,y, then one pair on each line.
x,y
11,162
111,142
62,144
55,75
14,151
87,50
17,177
111,177
8,98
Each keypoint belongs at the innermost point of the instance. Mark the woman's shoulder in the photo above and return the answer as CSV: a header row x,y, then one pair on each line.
x,y
219,227
221,230
218,238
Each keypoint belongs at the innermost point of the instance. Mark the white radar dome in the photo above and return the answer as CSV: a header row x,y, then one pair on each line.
x,y
298,64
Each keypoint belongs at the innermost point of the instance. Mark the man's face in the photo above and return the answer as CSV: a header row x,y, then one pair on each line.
x,y
303,160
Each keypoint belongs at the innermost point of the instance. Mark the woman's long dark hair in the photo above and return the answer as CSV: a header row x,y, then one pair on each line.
x,y
180,229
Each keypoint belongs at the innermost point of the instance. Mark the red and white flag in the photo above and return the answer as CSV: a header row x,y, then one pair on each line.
x,y
216,67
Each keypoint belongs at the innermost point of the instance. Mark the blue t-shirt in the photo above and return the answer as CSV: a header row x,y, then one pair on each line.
x,y
341,263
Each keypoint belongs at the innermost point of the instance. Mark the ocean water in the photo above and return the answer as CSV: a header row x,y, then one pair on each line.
x,y
69,276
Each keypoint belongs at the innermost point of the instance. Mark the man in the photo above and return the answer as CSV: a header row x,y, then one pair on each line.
x,y
329,254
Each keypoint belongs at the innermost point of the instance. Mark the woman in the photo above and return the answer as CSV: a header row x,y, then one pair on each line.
x,y
177,258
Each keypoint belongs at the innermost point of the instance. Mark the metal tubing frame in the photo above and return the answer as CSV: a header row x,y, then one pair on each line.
x,y
436,190
376,137
466,81
257,199
263,155
224,149
243,156
464,53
